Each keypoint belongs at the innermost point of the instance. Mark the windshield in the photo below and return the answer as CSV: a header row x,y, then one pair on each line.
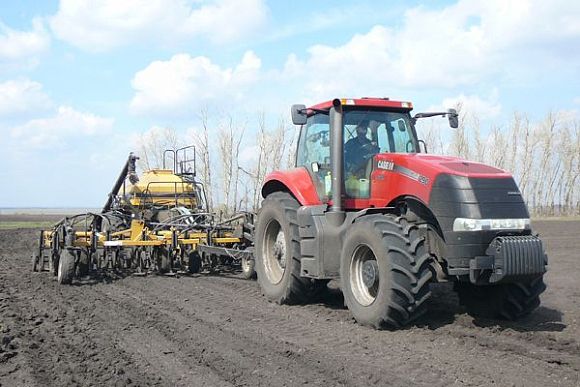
x,y
390,131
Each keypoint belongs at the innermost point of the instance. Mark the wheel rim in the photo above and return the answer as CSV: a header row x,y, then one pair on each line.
x,y
364,275
274,252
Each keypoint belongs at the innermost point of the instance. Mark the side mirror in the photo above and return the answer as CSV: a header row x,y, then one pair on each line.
x,y
298,114
453,118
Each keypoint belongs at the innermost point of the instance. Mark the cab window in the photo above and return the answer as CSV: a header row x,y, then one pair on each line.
x,y
367,133
314,152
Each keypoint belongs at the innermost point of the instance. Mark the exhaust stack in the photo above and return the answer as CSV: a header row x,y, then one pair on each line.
x,y
336,214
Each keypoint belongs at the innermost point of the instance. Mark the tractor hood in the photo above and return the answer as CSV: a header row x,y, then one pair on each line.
x,y
429,166
451,186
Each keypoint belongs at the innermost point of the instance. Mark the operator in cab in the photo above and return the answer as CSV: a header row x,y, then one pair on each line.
x,y
358,150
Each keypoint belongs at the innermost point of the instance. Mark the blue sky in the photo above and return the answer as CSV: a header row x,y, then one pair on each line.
x,y
81,80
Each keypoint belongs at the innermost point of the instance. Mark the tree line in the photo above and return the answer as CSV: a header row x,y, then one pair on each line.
x,y
234,156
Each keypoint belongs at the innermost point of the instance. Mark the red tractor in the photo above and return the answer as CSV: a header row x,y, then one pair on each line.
x,y
366,205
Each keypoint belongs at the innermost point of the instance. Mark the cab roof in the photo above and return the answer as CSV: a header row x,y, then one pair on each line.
x,y
365,102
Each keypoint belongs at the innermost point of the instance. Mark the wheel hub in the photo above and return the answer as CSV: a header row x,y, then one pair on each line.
x,y
280,249
274,252
370,271
364,275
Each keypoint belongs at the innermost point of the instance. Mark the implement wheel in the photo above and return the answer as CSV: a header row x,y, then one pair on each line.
x,y
35,262
84,263
66,267
248,268
385,271
278,251
194,264
163,259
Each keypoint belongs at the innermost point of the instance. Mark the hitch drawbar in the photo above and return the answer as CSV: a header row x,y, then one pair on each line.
x,y
508,258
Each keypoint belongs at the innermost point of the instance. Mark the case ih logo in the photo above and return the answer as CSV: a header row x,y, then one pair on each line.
x,y
391,166
385,164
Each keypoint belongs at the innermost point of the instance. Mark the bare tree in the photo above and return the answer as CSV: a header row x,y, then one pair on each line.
x,y
571,168
273,148
432,137
497,146
514,144
229,149
527,156
291,147
460,142
259,170
479,144
202,147
152,144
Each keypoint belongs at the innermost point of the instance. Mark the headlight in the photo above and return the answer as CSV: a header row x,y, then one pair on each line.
x,y
466,224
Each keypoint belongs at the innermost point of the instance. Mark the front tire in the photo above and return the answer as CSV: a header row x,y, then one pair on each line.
x,y
278,251
509,301
385,271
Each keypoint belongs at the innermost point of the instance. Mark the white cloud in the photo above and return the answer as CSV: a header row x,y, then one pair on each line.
x,y
22,97
474,105
66,124
17,45
363,64
462,44
105,24
184,83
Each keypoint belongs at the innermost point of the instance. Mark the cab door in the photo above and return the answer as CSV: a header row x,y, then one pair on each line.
x,y
313,153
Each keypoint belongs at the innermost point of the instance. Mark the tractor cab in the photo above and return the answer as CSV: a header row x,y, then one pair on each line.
x,y
363,128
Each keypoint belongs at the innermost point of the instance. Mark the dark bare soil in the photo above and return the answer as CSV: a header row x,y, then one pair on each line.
x,y
219,331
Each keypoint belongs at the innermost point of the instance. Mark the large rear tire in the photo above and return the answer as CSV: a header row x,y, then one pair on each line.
x,y
66,267
509,301
278,251
385,271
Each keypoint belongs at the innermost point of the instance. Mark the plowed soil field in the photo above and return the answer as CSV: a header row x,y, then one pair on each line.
x,y
220,331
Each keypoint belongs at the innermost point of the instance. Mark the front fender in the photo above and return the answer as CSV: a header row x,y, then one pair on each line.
x,y
297,181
